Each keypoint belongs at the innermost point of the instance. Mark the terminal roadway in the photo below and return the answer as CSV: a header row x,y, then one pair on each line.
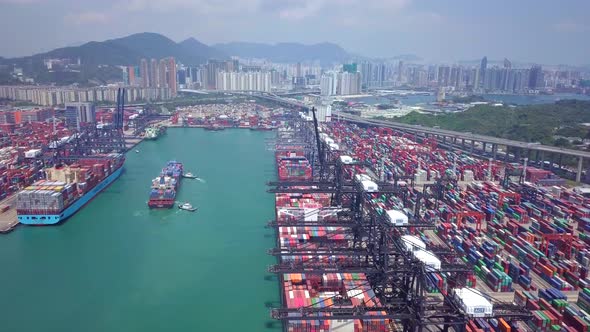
x,y
466,136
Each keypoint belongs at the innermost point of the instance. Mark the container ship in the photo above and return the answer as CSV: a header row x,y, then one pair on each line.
x,y
165,186
67,189
153,132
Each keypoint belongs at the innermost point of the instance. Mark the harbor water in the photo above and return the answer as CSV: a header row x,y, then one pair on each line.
x,y
117,266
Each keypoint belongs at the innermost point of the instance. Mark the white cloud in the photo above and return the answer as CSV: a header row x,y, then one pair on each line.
x,y
302,9
87,18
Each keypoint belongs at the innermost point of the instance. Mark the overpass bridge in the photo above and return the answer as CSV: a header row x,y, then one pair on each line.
x,y
450,137
455,137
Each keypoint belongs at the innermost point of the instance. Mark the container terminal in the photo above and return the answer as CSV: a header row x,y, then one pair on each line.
x,y
379,231
238,115
49,170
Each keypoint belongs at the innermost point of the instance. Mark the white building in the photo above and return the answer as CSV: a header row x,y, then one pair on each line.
x,y
329,84
243,81
324,112
333,83
350,83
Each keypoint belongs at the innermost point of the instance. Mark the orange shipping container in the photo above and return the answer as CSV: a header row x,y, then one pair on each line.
x,y
504,327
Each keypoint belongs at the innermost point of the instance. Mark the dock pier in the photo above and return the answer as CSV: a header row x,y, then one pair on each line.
x,y
8,219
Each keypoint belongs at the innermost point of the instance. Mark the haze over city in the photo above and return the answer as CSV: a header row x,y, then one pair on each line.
x,y
546,32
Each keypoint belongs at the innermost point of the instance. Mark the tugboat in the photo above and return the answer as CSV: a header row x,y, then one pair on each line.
x,y
187,207
189,175
214,127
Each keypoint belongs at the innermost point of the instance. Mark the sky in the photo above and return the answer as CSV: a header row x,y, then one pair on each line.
x,y
540,31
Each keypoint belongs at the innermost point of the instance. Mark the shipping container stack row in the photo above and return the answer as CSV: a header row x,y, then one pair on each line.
x,y
552,312
402,156
232,116
312,289
516,221
21,144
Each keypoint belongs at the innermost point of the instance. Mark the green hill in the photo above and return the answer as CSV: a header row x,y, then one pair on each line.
x,y
124,51
533,123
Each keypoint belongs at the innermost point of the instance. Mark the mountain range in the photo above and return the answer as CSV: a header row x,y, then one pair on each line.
x,y
99,60
129,50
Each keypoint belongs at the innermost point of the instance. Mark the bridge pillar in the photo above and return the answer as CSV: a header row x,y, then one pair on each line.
x,y
494,150
559,163
542,156
517,155
462,142
484,146
506,154
444,139
579,172
472,146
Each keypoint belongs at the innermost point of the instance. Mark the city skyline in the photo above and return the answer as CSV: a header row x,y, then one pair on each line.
x,y
546,33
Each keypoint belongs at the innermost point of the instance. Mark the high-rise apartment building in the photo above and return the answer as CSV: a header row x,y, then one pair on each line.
x,y
329,84
78,113
154,73
171,69
482,70
144,73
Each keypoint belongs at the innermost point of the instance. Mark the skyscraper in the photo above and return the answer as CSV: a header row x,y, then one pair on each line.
x,y
400,71
154,70
350,83
329,84
213,66
144,73
77,113
162,81
482,70
536,77
131,75
171,69
349,68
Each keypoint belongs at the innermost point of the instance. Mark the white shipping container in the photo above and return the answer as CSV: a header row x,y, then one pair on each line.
x,y
33,153
428,258
397,218
472,302
412,243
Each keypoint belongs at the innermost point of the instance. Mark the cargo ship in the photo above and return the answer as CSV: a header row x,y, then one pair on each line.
x,y
153,132
214,128
165,186
67,189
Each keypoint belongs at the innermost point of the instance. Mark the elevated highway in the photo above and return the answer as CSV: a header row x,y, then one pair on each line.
x,y
447,137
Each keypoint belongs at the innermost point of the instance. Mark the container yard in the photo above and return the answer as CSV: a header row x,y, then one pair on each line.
x,y
221,116
52,164
379,231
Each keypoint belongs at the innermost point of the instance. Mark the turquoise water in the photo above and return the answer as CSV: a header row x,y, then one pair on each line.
x,y
117,266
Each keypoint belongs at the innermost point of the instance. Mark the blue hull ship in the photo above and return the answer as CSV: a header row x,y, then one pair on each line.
x,y
51,219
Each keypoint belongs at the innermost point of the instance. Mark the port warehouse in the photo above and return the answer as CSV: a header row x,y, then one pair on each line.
x,y
378,232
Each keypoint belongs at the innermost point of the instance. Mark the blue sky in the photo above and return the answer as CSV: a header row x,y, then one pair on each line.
x,y
542,31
